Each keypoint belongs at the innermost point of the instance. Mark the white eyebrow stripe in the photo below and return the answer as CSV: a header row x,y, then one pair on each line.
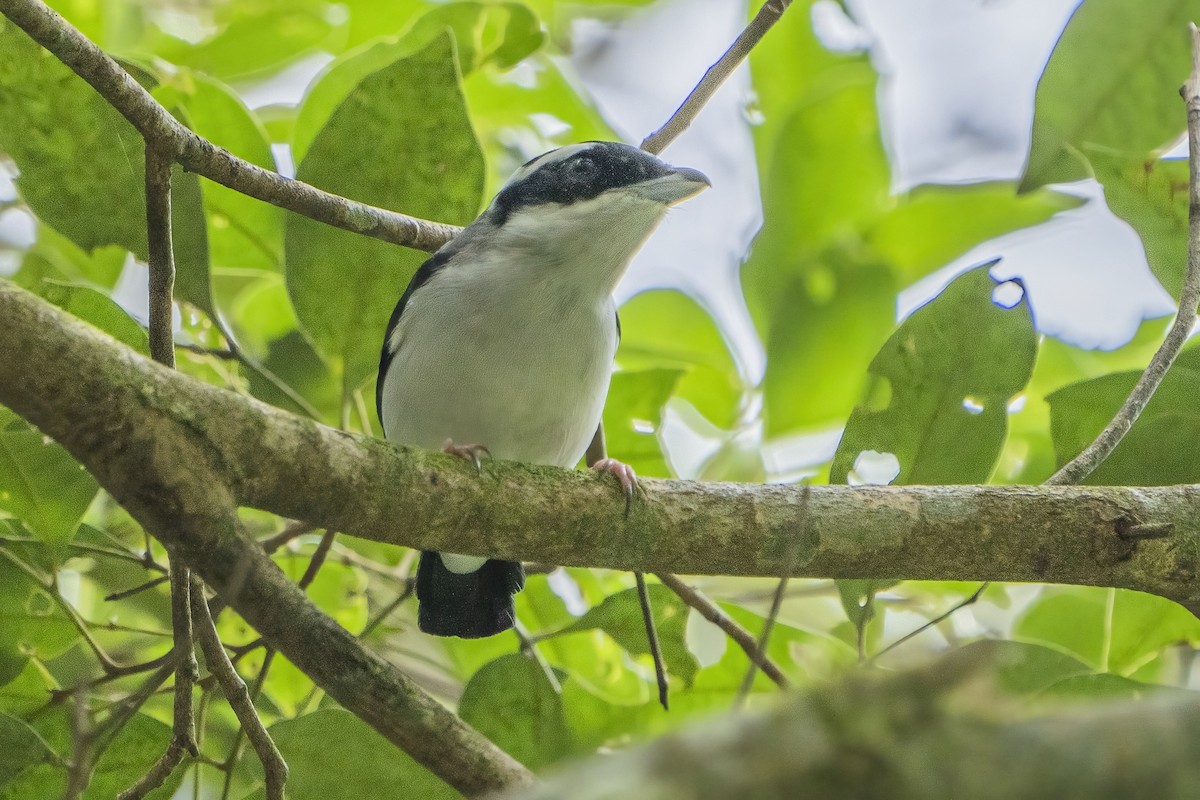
x,y
544,159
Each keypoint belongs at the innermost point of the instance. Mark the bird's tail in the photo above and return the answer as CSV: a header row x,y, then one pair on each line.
x,y
471,604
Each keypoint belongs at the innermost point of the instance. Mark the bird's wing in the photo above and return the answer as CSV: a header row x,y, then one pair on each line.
x,y
426,271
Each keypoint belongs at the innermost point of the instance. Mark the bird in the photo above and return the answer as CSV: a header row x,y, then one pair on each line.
x,y
502,345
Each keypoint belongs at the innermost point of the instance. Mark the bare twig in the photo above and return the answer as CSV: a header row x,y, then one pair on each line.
x,y
141,587
294,530
713,613
201,156
274,767
183,739
660,667
938,620
1082,465
766,17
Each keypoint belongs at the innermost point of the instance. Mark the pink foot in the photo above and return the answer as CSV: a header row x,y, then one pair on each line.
x,y
625,476
471,452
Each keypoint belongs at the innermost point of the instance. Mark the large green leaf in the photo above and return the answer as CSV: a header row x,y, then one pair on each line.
x,y
82,165
1152,196
620,616
1111,82
512,702
258,38
932,225
129,756
1111,629
1151,453
39,481
21,747
327,753
666,329
941,384
401,139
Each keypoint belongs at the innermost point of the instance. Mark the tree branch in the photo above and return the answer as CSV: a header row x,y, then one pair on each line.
x,y
166,134
679,122
1082,465
112,408
874,735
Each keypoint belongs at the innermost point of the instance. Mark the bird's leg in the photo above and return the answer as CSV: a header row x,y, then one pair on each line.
x,y
471,452
625,476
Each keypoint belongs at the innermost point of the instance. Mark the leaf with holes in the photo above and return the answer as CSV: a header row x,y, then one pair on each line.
x,y
938,390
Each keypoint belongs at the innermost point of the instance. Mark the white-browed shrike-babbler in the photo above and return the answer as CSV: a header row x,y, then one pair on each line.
x,y
504,341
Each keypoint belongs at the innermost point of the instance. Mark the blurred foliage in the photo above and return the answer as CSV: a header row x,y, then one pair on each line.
x,y
426,107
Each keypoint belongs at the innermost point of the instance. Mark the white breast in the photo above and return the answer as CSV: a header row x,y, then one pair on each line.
x,y
518,364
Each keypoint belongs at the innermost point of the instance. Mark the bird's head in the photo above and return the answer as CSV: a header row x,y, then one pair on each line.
x,y
587,207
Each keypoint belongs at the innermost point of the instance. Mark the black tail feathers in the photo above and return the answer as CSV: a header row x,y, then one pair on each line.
x,y
470,605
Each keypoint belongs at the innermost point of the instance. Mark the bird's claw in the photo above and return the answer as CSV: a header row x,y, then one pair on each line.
x,y
625,476
471,452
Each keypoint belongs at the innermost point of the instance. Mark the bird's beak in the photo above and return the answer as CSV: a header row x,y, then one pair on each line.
x,y
676,186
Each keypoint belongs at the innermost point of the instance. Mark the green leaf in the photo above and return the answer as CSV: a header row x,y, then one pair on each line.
x,y
498,33
256,41
98,309
826,325
294,362
1111,83
1150,454
29,690
123,762
932,225
244,235
512,702
54,257
1136,629
82,165
1102,686
620,616
326,753
636,399
22,747
941,384
1025,668
39,481
1152,196
665,329
401,139
818,297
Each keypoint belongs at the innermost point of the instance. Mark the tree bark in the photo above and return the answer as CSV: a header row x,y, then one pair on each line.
x,y
111,408
906,736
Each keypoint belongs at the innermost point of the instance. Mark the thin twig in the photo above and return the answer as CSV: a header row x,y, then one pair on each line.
x,y
294,530
141,587
183,739
161,130
274,768
88,549
660,667
679,122
776,600
1102,447
939,619
713,613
